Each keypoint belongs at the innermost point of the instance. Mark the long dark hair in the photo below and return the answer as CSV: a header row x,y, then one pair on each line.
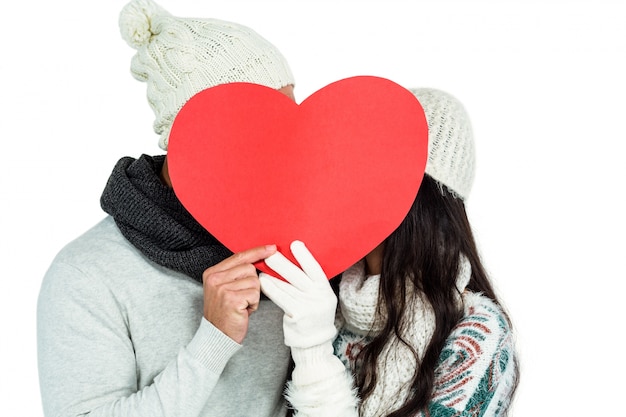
x,y
423,253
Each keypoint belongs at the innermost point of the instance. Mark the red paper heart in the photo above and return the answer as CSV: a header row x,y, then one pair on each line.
x,y
339,171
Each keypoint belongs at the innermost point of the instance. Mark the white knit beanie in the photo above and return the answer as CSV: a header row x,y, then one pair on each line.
x,y
451,154
179,57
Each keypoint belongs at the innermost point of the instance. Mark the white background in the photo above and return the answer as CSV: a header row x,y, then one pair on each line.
x,y
543,82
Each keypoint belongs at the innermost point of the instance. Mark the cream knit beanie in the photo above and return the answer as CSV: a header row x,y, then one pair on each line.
x,y
451,154
179,57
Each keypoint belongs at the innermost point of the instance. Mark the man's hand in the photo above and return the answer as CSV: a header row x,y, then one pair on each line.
x,y
232,291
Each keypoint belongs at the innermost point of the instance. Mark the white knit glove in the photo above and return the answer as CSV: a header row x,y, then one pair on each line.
x,y
307,299
320,385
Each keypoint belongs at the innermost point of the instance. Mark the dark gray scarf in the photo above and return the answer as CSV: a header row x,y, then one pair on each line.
x,y
151,217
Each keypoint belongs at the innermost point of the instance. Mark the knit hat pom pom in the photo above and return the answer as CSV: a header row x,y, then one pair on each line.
x,y
136,21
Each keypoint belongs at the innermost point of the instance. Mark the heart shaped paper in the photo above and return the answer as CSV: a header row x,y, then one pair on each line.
x,y
339,171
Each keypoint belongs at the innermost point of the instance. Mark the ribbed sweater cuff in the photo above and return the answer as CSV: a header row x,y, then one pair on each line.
x,y
315,364
212,347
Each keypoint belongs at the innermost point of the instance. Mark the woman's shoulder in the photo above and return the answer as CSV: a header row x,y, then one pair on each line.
x,y
483,334
482,318
477,367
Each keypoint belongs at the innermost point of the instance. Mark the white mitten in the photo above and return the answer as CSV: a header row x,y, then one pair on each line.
x,y
307,298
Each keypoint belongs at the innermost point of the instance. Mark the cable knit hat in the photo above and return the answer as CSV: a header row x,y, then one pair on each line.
x,y
451,155
179,57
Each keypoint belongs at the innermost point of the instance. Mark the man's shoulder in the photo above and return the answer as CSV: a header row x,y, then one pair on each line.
x,y
103,254
100,241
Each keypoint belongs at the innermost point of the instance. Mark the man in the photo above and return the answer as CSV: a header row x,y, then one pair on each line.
x,y
146,313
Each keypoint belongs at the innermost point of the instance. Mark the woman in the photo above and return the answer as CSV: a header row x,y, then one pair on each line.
x,y
419,327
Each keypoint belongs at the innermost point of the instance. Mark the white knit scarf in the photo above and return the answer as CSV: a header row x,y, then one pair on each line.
x,y
358,297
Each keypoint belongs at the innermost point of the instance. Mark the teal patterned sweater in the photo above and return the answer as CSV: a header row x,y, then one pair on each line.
x,y
476,371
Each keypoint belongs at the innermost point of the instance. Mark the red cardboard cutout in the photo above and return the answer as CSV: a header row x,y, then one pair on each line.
x,y
339,172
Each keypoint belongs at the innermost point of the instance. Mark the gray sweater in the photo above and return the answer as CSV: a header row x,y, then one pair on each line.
x,y
121,336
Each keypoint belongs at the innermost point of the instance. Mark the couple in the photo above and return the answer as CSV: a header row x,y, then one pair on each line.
x,y
147,314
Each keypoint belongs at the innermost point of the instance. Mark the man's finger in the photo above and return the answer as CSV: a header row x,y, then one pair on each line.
x,y
249,256
238,272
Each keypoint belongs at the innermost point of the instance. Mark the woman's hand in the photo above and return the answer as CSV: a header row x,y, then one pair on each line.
x,y
307,298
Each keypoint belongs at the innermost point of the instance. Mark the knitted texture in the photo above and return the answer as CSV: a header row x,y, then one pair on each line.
x,y
476,372
151,217
179,57
339,396
451,153
120,336
358,297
